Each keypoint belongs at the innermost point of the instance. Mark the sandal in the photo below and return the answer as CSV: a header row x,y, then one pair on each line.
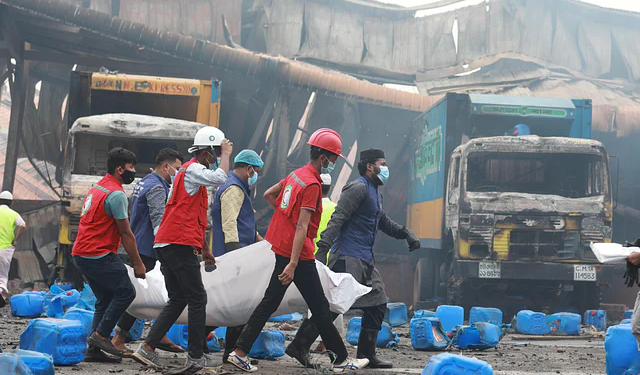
x,y
318,350
171,348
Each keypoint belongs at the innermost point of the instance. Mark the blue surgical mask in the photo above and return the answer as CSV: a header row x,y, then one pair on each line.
x,y
173,176
328,169
253,179
383,175
213,166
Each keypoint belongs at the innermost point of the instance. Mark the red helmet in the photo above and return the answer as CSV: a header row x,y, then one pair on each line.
x,y
327,139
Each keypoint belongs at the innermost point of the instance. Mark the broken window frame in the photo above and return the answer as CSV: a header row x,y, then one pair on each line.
x,y
595,173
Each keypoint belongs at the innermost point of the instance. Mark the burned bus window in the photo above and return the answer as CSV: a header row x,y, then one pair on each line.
x,y
566,175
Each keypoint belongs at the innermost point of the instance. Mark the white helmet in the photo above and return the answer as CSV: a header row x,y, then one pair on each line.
x,y
6,195
207,136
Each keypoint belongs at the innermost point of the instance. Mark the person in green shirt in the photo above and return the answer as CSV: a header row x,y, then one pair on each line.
x,y
11,228
327,208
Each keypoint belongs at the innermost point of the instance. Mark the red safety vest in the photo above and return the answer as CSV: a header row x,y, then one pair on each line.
x,y
98,232
185,217
285,218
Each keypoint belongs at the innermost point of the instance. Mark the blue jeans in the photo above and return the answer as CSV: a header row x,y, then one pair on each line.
x,y
110,282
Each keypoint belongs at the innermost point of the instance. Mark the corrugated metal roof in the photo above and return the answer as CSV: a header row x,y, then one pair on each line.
x,y
200,52
575,35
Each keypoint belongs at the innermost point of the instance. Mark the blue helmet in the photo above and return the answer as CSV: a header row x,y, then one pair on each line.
x,y
518,130
249,157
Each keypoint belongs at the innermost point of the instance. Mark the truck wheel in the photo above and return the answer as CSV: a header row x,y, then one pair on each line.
x,y
424,280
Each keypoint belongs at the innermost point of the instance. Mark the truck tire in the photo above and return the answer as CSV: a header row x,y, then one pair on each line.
x,y
424,281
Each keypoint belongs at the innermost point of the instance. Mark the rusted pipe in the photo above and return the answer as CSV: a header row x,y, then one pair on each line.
x,y
290,73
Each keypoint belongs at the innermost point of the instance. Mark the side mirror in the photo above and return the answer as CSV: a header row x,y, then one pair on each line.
x,y
616,182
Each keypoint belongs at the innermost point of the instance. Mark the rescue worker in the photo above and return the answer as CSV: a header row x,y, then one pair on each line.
x,y
104,222
180,238
233,219
350,235
147,207
11,229
294,225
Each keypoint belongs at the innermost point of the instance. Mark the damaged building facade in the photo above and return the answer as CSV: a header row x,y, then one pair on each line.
x,y
289,67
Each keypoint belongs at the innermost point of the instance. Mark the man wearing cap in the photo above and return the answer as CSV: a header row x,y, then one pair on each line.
x,y
180,237
11,229
233,218
294,225
234,222
350,235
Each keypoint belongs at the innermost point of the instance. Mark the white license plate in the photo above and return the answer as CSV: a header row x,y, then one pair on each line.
x,y
584,273
489,270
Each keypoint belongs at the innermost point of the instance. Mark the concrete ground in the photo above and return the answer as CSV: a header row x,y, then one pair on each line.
x,y
514,355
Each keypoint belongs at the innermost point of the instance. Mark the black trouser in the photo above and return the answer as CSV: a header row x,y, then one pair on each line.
x,y
110,282
308,283
373,315
371,319
127,320
181,269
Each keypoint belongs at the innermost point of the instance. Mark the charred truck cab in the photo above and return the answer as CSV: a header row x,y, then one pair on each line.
x,y
506,220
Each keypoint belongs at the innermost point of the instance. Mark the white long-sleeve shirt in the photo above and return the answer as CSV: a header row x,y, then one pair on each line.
x,y
196,176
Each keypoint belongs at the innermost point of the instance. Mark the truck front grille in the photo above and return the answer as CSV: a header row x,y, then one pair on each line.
x,y
589,236
481,236
532,244
480,240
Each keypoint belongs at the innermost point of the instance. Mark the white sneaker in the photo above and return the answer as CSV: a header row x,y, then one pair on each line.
x,y
243,364
350,364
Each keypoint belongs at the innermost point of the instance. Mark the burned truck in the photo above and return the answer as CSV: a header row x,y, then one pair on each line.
x,y
506,194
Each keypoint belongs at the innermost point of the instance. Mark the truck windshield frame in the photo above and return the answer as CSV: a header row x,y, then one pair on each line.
x,y
569,175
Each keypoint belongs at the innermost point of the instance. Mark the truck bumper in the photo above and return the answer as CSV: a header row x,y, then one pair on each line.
x,y
509,270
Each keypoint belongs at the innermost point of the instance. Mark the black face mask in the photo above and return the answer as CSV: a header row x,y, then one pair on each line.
x,y
128,176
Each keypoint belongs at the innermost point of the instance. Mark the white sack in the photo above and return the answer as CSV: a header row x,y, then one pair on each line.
x,y
612,253
237,286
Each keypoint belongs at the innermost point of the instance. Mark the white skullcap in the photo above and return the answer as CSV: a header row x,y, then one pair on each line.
x,y
326,179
